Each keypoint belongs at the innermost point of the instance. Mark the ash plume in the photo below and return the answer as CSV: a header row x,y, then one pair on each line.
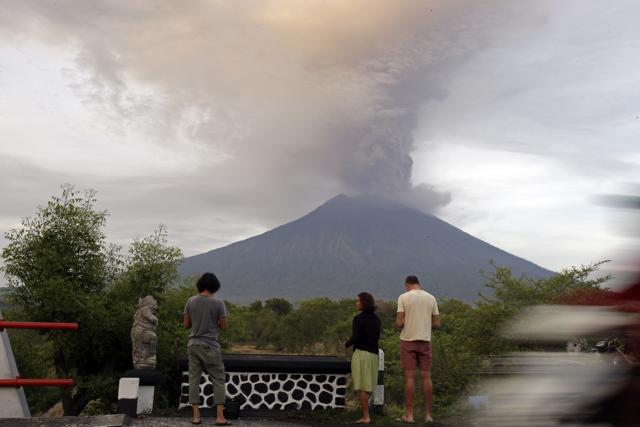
x,y
323,94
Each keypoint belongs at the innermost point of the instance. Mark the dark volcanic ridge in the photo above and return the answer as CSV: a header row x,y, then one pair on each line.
x,y
352,244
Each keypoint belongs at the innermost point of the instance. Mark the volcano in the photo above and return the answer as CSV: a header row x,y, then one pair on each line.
x,y
354,244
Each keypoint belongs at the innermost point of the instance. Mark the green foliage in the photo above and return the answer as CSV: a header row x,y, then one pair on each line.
x,y
151,265
34,357
59,264
60,268
99,407
279,306
306,327
59,258
471,334
242,319
269,331
172,342
256,306
515,293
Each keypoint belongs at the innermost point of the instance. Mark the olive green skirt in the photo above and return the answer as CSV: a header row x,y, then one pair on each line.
x,y
364,370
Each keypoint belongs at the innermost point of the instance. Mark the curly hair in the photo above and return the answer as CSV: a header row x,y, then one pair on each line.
x,y
208,282
367,302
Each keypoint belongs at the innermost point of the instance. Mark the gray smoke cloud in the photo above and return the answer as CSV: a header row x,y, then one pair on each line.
x,y
322,93
223,119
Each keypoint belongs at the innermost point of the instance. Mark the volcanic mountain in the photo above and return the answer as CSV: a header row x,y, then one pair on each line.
x,y
354,244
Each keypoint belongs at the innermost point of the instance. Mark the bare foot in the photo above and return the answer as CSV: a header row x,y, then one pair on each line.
x,y
428,419
363,421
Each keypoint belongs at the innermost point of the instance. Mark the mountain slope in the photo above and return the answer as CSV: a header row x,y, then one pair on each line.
x,y
351,244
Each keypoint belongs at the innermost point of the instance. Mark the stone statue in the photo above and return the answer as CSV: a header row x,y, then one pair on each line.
x,y
143,334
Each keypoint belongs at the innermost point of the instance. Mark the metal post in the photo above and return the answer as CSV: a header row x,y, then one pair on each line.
x,y
40,382
377,397
14,403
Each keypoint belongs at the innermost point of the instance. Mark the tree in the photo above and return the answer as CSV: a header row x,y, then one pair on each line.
x,y
60,268
152,265
304,328
59,257
280,306
518,292
58,263
172,342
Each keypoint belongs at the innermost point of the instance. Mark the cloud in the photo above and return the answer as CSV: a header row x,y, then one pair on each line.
x,y
563,88
424,197
326,92
223,119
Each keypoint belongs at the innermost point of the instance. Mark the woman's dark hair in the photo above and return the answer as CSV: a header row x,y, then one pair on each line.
x,y
367,302
208,282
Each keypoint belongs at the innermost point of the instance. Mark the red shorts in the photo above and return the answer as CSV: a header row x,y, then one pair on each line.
x,y
414,354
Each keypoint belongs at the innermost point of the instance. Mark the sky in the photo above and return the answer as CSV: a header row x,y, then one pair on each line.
x,y
224,119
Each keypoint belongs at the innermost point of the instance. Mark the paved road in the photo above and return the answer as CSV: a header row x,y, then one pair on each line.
x,y
121,421
185,422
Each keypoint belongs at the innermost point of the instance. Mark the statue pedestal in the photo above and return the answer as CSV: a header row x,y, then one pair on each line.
x,y
136,390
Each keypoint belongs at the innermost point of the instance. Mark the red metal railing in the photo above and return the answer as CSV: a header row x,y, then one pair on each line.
x,y
26,382
37,325
36,382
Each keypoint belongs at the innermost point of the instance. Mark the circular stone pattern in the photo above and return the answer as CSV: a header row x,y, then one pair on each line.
x,y
275,391
325,398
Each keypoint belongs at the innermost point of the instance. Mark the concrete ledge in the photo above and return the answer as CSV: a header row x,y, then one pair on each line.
x,y
147,376
98,421
281,363
122,421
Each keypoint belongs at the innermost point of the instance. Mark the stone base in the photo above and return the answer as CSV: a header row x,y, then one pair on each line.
x,y
136,390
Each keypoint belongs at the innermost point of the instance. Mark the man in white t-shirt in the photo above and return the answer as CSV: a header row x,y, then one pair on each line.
x,y
417,314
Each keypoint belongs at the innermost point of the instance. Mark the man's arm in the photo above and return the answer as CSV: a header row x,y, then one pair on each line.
x,y
435,321
186,321
400,314
400,319
223,324
222,318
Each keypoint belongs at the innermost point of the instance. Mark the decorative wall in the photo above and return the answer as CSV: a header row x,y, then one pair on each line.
x,y
275,383
273,391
